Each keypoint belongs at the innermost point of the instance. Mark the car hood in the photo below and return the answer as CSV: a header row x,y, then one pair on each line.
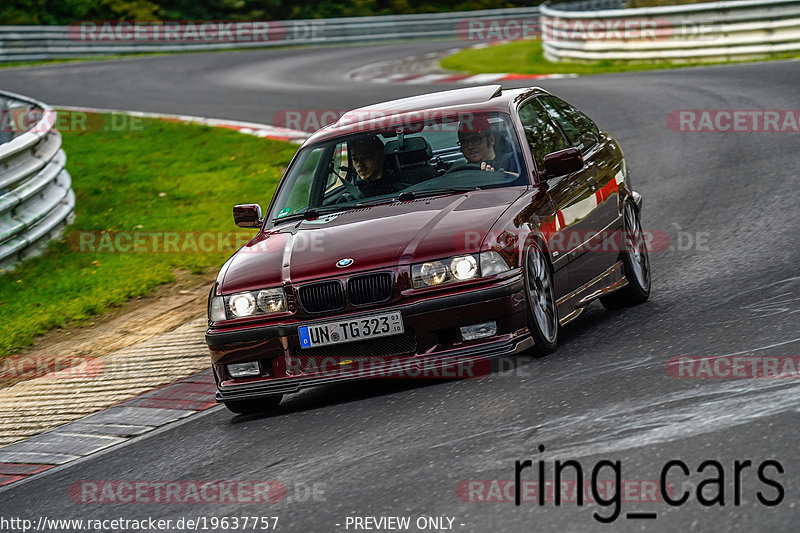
x,y
373,237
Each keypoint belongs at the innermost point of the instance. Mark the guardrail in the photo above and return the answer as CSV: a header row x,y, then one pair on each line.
x,y
36,200
30,43
715,31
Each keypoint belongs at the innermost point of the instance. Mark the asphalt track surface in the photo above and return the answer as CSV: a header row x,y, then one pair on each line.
x,y
392,448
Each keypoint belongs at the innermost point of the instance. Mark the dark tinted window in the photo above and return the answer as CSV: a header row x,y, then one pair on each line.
x,y
581,131
542,135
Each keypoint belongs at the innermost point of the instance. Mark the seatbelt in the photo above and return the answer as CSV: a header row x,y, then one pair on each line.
x,y
353,189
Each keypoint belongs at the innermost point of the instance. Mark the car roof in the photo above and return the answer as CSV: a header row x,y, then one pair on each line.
x,y
470,99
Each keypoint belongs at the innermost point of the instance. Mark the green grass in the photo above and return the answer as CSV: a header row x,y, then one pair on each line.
x,y
162,176
526,57
139,55
54,61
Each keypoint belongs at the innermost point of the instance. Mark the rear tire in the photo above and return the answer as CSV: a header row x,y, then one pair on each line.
x,y
259,405
542,309
636,264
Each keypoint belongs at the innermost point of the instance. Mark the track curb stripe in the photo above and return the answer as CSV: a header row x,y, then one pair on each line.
x,y
457,78
424,69
107,428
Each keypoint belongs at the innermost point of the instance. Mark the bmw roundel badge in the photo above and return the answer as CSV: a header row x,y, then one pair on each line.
x,y
346,262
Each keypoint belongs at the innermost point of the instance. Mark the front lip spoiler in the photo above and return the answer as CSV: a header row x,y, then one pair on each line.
x,y
290,385
506,288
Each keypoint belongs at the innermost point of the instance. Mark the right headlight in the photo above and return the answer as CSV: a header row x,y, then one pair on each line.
x,y
457,268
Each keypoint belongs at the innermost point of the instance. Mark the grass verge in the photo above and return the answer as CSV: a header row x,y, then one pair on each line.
x,y
527,57
54,61
142,55
151,177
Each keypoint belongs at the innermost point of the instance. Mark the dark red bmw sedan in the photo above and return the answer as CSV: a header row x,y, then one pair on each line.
x,y
422,235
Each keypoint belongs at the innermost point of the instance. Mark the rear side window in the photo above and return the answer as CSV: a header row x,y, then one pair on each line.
x,y
581,131
542,135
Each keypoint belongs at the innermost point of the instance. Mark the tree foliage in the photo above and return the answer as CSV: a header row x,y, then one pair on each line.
x,y
20,12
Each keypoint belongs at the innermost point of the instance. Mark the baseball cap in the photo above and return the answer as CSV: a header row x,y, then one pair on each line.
x,y
474,124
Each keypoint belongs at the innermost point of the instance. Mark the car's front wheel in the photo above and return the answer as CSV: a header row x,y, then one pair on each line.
x,y
636,263
249,407
542,309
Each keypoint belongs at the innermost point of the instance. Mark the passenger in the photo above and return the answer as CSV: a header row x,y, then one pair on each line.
x,y
368,158
477,142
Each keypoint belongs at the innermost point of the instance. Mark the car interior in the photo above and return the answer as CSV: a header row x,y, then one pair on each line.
x,y
419,159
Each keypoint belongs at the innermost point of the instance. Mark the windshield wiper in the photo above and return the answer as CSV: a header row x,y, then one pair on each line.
x,y
424,193
376,201
309,214
413,195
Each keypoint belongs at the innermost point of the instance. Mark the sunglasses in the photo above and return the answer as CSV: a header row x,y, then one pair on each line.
x,y
472,140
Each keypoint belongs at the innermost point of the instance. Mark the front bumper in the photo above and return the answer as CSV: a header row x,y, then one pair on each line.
x,y
463,363
432,321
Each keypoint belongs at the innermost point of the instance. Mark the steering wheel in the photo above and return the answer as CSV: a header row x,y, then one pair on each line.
x,y
462,166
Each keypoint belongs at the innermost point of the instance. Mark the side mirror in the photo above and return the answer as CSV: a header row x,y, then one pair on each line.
x,y
247,215
562,163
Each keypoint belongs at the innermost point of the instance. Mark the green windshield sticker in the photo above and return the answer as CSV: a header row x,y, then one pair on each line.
x,y
283,212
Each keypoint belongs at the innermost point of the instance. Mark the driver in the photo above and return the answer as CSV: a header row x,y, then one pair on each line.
x,y
367,156
477,142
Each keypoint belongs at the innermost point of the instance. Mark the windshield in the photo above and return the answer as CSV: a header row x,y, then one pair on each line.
x,y
446,155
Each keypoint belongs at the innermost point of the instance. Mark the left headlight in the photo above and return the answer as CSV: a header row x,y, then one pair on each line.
x,y
457,268
249,303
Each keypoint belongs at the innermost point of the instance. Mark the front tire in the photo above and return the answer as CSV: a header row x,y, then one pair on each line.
x,y
542,309
249,407
636,264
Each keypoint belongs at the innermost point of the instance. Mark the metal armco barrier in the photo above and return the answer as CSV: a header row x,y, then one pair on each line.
x,y
30,43
36,200
716,31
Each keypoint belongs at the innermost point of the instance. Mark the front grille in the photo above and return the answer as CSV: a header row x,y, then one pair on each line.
x,y
370,288
322,297
405,343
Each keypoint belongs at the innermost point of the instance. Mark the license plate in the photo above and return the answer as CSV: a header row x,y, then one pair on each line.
x,y
355,329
